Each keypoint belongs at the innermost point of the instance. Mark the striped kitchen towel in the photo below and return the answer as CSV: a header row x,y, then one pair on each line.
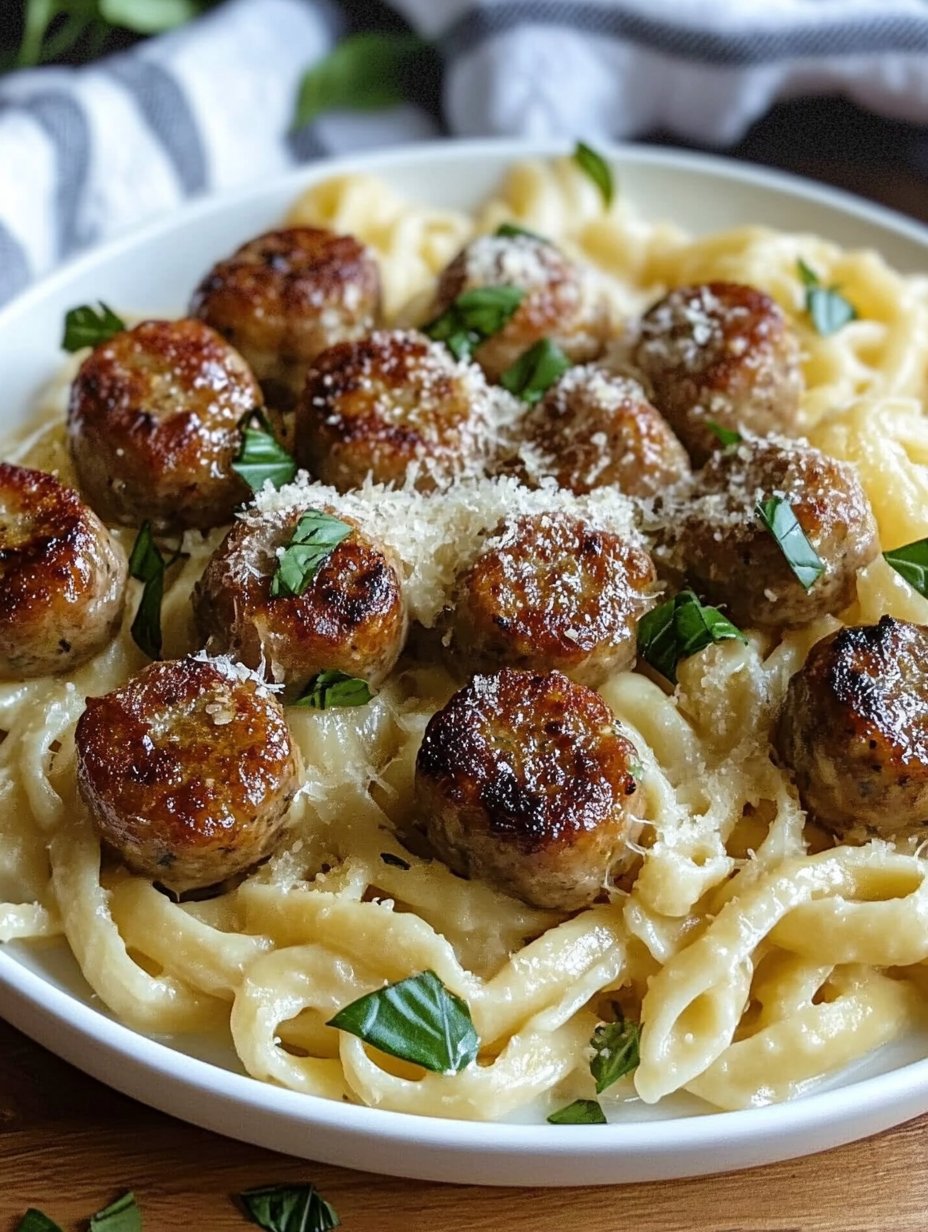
x,y
88,152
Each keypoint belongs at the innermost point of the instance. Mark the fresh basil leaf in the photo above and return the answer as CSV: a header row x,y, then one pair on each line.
x,y
316,537
473,317
289,1208
911,563
123,1215
828,309
365,72
598,170
535,371
416,1019
147,565
88,327
580,1112
329,689
145,17
615,1052
725,436
679,628
511,231
35,1221
394,861
261,457
776,513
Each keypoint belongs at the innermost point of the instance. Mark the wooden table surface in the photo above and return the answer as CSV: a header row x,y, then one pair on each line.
x,y
69,1145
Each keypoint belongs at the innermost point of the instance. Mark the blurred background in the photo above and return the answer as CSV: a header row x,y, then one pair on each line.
x,y
111,111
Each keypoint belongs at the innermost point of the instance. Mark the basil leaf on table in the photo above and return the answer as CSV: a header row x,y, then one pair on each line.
x,y
36,1221
779,518
365,72
417,1020
123,1215
911,563
828,309
289,1208
580,1112
595,167
535,371
261,457
615,1052
330,689
147,565
143,17
88,327
681,627
316,537
473,317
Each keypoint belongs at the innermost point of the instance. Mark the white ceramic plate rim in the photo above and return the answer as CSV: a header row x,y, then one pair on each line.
x,y
400,1143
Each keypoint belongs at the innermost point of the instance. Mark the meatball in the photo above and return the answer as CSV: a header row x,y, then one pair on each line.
x,y
350,618
154,425
62,576
524,780
376,406
731,557
285,296
593,429
854,729
552,591
724,353
562,301
187,771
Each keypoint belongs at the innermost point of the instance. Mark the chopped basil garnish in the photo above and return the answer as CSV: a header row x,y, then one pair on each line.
x,y
416,1019
289,1208
88,327
365,72
827,307
598,170
123,1215
511,230
147,565
329,689
394,861
911,563
35,1221
261,457
535,371
615,1052
580,1112
680,627
316,537
473,317
778,517
725,436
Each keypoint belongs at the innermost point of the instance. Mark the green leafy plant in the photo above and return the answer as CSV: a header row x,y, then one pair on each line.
x,y
365,72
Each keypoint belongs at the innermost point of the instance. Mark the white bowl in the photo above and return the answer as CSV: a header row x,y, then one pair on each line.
x,y
41,990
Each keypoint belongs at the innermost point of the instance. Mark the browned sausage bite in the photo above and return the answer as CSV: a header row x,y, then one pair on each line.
x,y
562,301
720,352
187,770
552,591
283,297
525,781
350,618
62,576
732,558
854,729
154,425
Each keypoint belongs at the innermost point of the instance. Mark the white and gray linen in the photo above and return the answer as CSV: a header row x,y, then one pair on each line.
x,y
86,153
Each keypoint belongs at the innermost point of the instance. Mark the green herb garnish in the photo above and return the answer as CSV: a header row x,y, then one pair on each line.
x,y
330,689
911,563
535,371
827,307
416,1019
598,170
316,537
123,1215
511,230
778,517
365,72
35,1221
473,317
88,327
725,436
289,1208
615,1052
86,26
680,627
580,1112
147,565
261,457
